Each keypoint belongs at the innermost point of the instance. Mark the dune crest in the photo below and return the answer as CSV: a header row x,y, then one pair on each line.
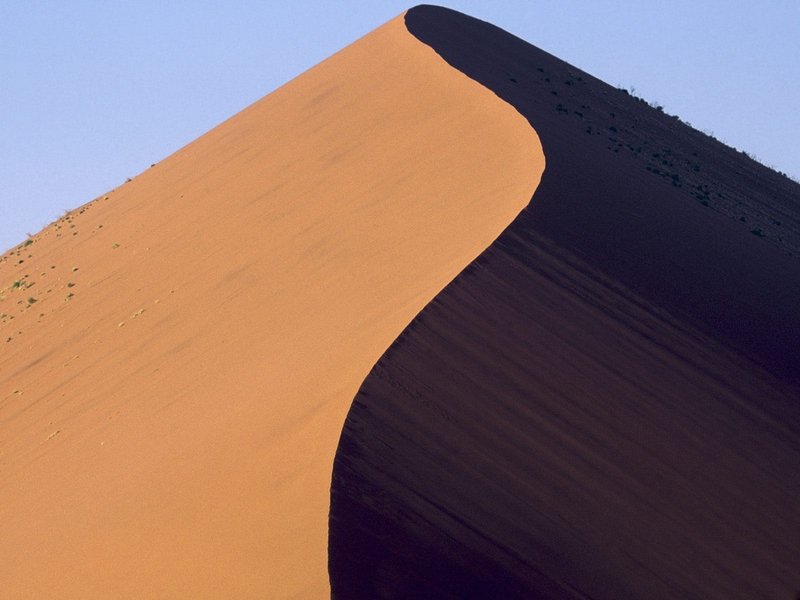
x,y
605,404
172,397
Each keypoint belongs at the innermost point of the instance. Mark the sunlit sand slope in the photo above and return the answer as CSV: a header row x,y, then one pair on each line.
x,y
606,403
178,356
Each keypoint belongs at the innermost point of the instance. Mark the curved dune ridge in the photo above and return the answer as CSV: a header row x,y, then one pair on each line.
x,y
179,355
604,404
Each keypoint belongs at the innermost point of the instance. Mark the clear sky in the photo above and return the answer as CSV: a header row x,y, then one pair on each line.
x,y
94,91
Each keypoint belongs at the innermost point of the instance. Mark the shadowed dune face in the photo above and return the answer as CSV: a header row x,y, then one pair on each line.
x,y
183,352
606,403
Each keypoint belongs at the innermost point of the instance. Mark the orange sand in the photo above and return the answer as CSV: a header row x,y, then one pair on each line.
x,y
168,429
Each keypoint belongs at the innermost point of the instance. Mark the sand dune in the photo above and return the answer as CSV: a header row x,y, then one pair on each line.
x,y
582,382
606,403
179,355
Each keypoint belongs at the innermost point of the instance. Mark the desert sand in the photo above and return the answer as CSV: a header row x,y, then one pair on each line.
x,y
357,342
606,403
179,355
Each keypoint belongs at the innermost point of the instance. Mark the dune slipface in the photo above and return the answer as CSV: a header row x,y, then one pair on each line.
x,y
179,355
606,403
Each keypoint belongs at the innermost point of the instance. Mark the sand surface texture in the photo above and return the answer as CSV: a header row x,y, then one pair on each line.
x,y
179,355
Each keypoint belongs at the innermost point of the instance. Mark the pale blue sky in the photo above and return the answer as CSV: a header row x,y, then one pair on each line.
x,y
92,92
